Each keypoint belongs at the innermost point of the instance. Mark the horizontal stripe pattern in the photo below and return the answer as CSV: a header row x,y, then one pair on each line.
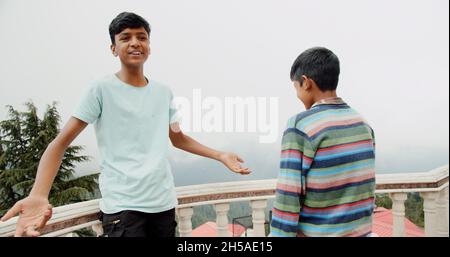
x,y
326,182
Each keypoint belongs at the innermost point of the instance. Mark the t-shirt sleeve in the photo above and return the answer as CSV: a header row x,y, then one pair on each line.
x,y
174,114
89,108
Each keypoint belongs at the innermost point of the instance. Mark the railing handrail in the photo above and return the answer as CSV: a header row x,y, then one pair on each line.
x,y
194,195
434,180
432,176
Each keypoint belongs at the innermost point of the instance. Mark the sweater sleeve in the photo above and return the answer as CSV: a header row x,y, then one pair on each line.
x,y
296,158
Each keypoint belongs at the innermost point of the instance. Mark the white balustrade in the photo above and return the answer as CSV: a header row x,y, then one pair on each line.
x,y
258,215
432,186
442,213
185,221
398,212
430,212
222,219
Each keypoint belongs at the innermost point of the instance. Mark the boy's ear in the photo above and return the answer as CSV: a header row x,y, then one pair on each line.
x,y
113,49
307,83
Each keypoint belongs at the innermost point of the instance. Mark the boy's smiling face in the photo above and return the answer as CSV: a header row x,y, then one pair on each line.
x,y
132,45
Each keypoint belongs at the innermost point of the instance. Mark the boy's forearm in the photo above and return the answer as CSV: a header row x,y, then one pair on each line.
x,y
53,155
48,168
189,144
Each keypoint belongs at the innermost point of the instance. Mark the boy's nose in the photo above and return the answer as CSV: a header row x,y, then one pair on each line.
x,y
134,42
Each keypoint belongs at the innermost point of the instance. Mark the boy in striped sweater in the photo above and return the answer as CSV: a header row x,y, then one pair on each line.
x,y
326,184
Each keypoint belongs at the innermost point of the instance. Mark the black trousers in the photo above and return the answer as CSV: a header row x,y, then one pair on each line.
x,y
139,224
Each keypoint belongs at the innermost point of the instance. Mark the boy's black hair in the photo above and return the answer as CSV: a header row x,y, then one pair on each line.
x,y
318,64
127,20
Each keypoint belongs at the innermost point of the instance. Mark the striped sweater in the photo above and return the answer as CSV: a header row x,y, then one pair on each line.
x,y
326,184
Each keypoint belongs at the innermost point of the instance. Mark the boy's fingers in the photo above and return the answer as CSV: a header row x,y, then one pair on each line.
x,y
12,212
19,231
245,171
31,231
44,219
240,159
48,214
35,233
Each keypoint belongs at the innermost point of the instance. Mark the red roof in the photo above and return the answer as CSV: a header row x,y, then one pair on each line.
x,y
382,224
209,229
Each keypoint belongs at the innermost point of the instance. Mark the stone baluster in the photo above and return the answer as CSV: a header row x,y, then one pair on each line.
x,y
259,217
442,213
222,219
430,211
398,212
185,221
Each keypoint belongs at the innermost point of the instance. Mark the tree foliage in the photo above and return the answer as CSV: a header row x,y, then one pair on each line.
x,y
23,139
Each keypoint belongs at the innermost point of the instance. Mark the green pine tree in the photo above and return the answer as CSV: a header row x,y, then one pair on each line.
x,y
23,139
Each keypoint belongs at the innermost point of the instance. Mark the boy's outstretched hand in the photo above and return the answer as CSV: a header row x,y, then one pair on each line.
x,y
34,212
186,143
233,163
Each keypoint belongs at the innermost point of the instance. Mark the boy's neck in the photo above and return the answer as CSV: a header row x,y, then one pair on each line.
x,y
134,77
324,95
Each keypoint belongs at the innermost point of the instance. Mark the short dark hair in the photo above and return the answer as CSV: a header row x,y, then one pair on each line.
x,y
318,64
127,20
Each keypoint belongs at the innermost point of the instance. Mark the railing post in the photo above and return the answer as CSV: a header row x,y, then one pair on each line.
x,y
259,217
398,212
98,229
430,211
185,221
222,219
442,213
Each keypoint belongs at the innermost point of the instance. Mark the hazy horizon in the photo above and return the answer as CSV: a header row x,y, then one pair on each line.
x,y
394,68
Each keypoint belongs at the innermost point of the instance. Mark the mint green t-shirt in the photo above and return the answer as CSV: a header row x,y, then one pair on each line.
x,y
132,129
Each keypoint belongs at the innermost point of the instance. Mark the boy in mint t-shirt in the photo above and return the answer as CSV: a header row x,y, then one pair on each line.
x,y
134,117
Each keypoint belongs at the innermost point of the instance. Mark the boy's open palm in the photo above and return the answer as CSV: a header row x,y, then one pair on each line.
x,y
233,163
34,212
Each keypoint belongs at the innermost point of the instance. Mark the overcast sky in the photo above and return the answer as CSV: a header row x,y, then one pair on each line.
x,y
394,66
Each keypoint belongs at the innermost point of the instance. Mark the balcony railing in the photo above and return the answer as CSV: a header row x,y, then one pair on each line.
x,y
432,186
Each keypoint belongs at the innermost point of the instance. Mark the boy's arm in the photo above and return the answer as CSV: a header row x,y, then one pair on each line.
x,y
186,143
290,184
35,209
